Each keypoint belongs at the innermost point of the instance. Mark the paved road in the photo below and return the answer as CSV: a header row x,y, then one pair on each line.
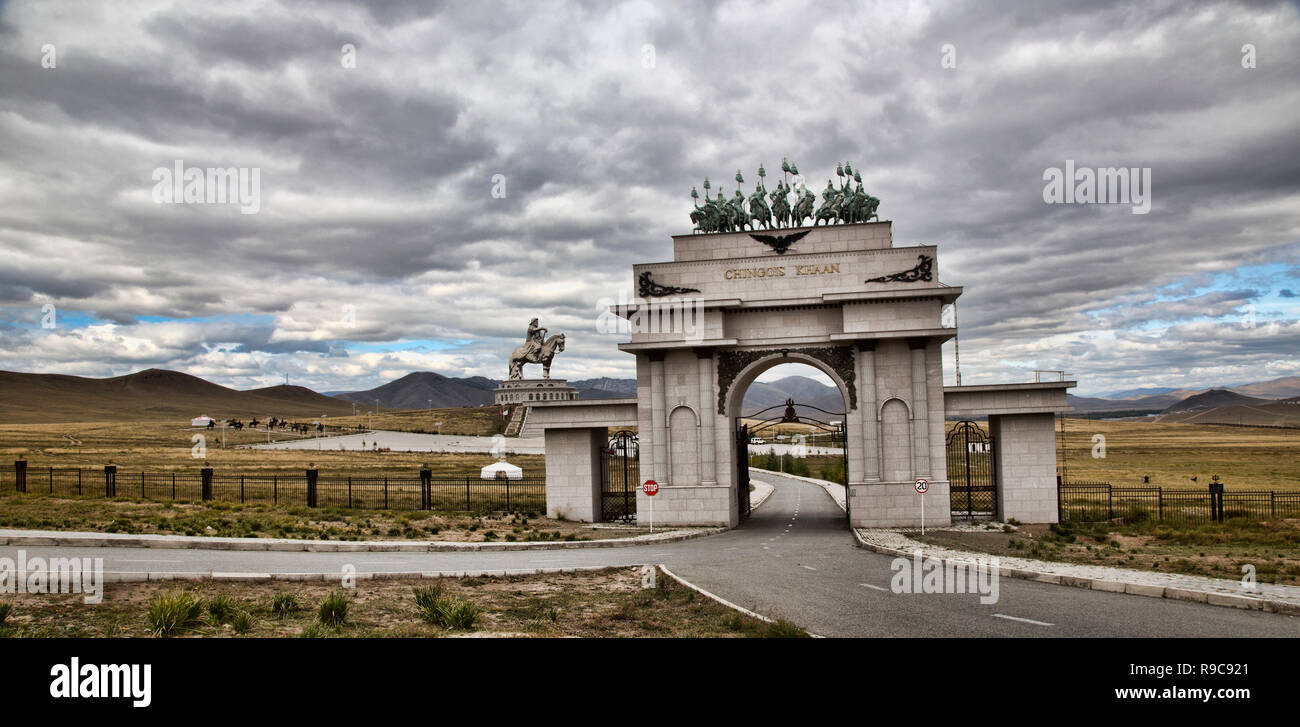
x,y
794,558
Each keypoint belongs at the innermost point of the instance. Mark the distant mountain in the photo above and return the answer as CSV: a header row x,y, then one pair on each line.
x,y
149,394
1155,402
424,389
761,396
1285,387
1212,399
605,388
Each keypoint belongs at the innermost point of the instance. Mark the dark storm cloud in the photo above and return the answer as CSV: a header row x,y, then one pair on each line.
x,y
377,181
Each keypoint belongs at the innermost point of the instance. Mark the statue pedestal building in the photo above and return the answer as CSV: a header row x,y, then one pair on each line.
x,y
528,391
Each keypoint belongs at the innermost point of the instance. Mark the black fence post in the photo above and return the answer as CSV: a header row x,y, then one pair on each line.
x,y
311,487
205,475
349,491
110,480
385,492
173,486
51,480
467,507
275,489
426,489
241,489
1160,504
1110,502
20,475
1216,501
78,480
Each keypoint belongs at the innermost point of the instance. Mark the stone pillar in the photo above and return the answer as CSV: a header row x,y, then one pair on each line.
x,y
920,412
1024,461
707,409
868,408
658,419
573,462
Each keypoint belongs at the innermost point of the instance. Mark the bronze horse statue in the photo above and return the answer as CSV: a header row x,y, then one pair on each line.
x,y
523,355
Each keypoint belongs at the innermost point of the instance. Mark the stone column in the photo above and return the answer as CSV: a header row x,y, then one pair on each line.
x,y
659,418
920,411
707,410
868,410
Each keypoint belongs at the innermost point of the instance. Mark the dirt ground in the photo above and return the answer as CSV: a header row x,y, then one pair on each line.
x,y
606,603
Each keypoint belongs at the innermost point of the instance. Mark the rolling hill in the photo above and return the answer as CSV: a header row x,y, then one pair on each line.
x,y
149,394
1212,399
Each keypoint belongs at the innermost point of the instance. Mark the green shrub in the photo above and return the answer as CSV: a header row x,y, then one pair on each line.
x,y
782,629
314,631
334,609
222,609
172,613
283,604
449,613
243,622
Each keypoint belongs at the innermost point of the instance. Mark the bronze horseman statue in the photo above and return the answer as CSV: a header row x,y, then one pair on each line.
x,y
842,205
537,349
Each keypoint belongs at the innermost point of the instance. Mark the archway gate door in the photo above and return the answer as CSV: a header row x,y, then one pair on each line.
x,y
832,432
971,472
619,478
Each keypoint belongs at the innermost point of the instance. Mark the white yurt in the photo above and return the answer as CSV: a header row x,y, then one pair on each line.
x,y
201,421
501,471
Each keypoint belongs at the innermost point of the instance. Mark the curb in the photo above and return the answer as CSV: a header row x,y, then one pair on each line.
x,y
190,542
226,577
723,601
754,505
1177,593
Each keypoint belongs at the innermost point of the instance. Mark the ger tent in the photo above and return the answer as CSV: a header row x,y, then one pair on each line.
x,y
501,471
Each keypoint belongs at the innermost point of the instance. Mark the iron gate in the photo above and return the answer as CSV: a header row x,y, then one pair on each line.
x,y
742,470
971,472
619,474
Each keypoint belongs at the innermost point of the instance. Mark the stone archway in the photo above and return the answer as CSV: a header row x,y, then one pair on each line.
x,y
836,364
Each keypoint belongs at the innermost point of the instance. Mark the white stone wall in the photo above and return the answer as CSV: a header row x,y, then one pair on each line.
x,y
573,473
1025,462
897,504
698,505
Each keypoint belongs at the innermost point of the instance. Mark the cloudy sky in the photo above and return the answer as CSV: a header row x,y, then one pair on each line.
x,y
432,175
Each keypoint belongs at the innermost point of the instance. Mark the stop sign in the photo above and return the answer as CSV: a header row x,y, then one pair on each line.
x,y
650,488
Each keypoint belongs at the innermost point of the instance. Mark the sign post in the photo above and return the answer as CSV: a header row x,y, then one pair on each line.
x,y
651,488
922,487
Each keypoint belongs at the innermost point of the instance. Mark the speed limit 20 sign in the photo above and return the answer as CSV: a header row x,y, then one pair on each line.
x,y
922,486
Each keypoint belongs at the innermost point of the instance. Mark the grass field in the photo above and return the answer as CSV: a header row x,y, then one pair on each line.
x,y
1217,550
168,446
1171,454
476,420
606,603
225,519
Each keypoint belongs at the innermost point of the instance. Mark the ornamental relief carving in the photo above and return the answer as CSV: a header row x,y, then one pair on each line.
x,y
839,358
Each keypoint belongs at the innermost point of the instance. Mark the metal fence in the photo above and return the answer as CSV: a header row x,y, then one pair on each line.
x,y
419,491
1098,501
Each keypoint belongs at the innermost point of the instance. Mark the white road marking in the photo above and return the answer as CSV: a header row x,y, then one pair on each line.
x,y
380,562
1022,620
878,588
147,560
801,565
